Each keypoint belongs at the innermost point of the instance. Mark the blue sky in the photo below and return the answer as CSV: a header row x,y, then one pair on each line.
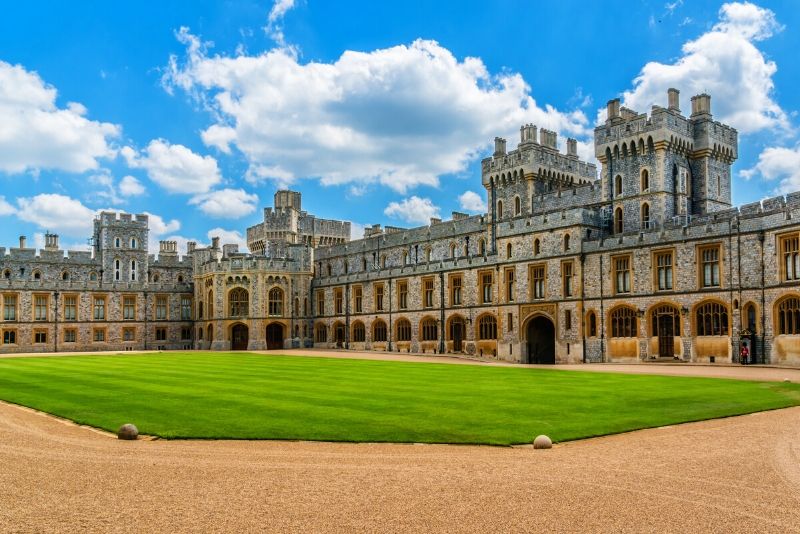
x,y
195,112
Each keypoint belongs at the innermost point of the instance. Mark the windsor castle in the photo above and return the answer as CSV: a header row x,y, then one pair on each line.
x,y
650,262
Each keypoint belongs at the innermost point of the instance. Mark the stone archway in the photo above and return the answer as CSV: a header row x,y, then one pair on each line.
x,y
275,336
239,337
541,340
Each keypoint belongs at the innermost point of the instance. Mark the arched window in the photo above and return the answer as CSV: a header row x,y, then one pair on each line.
x,y
660,312
623,322
517,206
536,246
452,251
65,276
788,316
200,310
592,324
275,301
645,180
403,330
117,242
133,270
645,215
749,318
428,329
210,305
7,274
383,261
296,309
566,242
133,242
405,257
499,209
712,319
330,269
379,331
487,327
481,247
238,302
427,254
618,185
618,224
320,333
346,266
93,276
508,251
359,332
117,275
364,264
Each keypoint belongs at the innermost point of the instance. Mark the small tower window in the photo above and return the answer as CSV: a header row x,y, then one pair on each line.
x,y
499,209
133,270
65,276
618,226
508,251
645,180
618,185
117,242
133,242
536,246
645,215
517,206
37,275
566,242
116,270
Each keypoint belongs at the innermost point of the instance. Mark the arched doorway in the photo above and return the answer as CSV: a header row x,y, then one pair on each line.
x,y
457,333
541,341
239,337
339,335
274,336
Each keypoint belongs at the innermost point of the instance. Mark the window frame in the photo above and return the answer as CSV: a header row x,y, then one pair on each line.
x,y
616,271
701,264
656,268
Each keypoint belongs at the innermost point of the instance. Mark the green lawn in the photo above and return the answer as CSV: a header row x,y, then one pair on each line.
x,y
240,395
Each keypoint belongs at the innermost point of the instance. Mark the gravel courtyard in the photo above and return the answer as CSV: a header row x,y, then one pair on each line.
x,y
740,474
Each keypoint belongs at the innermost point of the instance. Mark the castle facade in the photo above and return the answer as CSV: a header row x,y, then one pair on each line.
x,y
650,262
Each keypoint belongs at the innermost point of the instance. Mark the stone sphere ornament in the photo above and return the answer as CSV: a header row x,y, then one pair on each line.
x,y
542,442
128,431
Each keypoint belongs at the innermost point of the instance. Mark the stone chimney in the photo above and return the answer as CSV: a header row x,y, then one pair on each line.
x,y
499,146
167,248
612,108
673,99
215,243
50,241
22,241
190,246
701,105
572,147
435,220
548,138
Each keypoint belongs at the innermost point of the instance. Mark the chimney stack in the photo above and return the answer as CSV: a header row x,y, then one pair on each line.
x,y
701,105
50,241
572,147
22,241
499,146
190,246
215,243
613,109
673,99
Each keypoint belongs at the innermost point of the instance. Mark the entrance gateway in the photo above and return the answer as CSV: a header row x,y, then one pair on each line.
x,y
239,337
274,336
541,334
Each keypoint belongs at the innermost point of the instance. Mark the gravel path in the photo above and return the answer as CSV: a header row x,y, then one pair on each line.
x,y
732,475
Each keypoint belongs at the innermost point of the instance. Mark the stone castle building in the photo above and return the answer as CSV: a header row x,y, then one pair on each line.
x,y
649,262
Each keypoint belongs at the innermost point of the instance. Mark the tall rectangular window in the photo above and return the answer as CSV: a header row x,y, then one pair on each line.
x,y
161,308
510,284
790,250
664,270
402,295
537,276
321,302
358,299
99,308
128,308
40,307
710,266
9,307
428,292
455,290
486,288
186,308
622,274
338,301
566,278
70,308
378,297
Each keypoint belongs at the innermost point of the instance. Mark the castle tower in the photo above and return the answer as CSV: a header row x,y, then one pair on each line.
x,y
120,243
664,167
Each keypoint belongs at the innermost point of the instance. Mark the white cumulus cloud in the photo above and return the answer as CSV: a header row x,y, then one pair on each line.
x,y
129,186
400,116
229,237
5,207
472,202
57,213
226,203
36,134
414,210
725,63
175,167
274,27
778,163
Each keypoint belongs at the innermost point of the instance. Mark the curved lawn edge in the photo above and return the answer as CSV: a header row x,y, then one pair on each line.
x,y
342,400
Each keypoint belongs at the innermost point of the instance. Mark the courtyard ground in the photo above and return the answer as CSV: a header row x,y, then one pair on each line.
x,y
740,474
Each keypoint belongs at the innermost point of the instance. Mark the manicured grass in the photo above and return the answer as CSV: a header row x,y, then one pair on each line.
x,y
239,395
